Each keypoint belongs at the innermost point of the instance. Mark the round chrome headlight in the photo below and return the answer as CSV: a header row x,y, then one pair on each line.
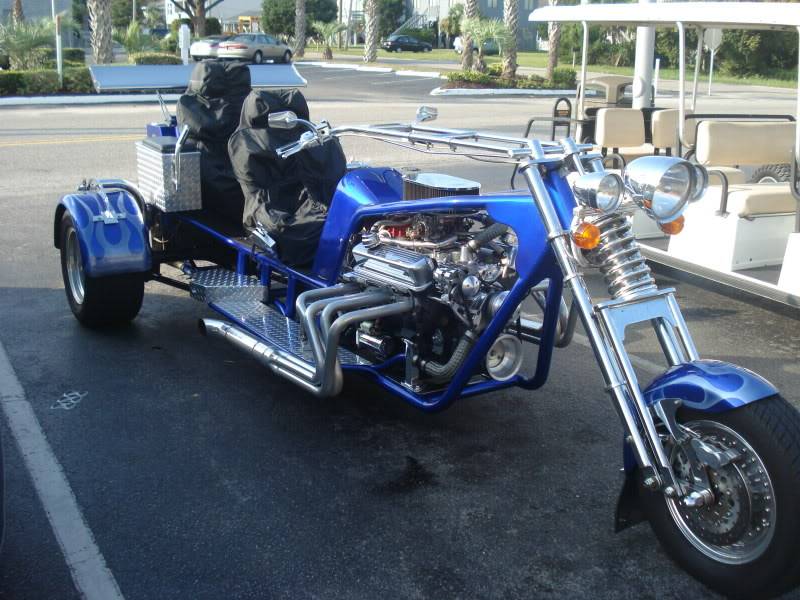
x,y
662,186
602,191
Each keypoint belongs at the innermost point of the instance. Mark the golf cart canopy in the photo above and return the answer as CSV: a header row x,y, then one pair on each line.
x,y
781,16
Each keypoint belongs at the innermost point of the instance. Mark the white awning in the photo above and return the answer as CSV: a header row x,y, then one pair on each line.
x,y
705,15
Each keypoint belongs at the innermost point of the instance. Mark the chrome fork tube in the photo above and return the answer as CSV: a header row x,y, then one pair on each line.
x,y
617,384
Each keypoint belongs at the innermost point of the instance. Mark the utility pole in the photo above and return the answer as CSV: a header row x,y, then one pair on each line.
x,y
643,71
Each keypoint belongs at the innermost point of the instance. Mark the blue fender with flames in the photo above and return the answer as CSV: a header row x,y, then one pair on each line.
x,y
710,386
111,230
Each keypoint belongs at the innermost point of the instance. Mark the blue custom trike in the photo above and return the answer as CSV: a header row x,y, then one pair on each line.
x,y
417,280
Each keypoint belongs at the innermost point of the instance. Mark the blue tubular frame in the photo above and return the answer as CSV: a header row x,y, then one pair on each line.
x,y
369,194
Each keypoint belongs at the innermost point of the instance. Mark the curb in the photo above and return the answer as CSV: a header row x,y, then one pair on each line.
x,y
501,92
87,99
349,66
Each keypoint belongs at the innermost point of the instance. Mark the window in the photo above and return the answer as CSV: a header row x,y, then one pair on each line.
x,y
492,3
529,4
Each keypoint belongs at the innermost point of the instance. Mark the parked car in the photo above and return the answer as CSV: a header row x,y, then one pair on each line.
x,y
398,43
207,47
255,47
490,47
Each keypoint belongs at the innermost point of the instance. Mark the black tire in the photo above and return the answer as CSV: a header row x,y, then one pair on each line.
x,y
772,428
287,57
258,58
104,301
771,174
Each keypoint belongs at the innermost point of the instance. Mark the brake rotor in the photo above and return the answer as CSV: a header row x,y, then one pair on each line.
x,y
738,526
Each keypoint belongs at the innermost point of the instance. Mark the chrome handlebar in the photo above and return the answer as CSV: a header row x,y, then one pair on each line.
x,y
423,138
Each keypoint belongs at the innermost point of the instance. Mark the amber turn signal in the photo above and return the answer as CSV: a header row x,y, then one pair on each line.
x,y
673,227
586,236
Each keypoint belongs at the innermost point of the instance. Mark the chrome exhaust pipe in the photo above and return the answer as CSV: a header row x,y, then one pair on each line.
x,y
325,377
279,362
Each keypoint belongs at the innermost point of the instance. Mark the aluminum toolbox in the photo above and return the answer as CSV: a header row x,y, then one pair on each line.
x,y
154,157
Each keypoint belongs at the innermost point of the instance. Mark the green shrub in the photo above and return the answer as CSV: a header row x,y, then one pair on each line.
x,y
10,82
495,70
170,43
32,83
564,78
176,25
470,77
532,82
4,62
68,54
213,26
38,83
78,81
155,58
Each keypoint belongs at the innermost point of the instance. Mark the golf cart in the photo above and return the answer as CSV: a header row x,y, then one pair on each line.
x,y
741,234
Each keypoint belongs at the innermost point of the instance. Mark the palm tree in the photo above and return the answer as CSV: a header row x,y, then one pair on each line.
x,y
132,38
327,32
471,11
100,24
553,39
371,38
511,16
481,31
25,43
17,14
299,49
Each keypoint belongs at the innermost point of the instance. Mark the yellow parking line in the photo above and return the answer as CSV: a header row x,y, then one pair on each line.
x,y
82,140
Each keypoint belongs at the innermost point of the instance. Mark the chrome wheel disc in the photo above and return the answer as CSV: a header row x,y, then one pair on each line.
x,y
738,527
75,275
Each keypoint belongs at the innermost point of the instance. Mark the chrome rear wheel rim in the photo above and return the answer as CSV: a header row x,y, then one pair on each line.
x,y
75,274
738,528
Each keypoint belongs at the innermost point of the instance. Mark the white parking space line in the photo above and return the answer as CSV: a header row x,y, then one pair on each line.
x,y
87,566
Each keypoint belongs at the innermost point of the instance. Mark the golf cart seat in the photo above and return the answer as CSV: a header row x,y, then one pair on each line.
x,y
622,131
746,225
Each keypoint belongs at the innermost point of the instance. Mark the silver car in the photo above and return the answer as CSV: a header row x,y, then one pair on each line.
x,y
255,47
207,47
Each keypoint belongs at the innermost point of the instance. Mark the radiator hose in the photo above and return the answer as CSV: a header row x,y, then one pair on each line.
x,y
482,238
445,372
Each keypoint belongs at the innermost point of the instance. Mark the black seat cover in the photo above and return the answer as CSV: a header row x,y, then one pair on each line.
x,y
288,197
211,107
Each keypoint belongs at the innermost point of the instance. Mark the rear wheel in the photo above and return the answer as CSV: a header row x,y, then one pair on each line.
x,y
744,544
771,174
258,58
96,301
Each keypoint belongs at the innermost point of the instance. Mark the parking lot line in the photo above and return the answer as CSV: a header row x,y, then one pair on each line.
x,y
92,578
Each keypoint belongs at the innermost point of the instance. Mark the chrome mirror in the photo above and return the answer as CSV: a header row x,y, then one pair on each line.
x,y
427,113
284,119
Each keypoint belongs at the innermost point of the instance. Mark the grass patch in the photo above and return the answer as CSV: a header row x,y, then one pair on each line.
x,y
538,60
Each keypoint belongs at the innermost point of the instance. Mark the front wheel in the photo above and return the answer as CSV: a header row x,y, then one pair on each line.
x,y
745,543
96,301
287,57
258,58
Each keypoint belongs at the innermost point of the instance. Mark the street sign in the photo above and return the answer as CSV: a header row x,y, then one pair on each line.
x,y
712,38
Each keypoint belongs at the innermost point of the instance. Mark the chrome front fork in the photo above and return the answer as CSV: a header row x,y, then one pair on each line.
x,y
605,325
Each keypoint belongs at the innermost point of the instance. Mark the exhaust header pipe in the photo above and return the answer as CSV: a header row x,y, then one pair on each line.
x,y
323,379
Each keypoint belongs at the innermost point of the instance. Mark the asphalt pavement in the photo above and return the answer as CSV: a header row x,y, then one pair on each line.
x,y
201,475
